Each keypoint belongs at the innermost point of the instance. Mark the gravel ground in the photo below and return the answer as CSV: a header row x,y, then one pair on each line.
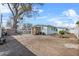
x,y
14,48
50,45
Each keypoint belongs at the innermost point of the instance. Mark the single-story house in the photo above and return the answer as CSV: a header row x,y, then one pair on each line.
x,y
22,29
44,29
61,28
35,30
76,31
72,30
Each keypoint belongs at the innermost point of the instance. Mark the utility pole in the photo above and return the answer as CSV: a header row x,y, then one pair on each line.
x,y
1,25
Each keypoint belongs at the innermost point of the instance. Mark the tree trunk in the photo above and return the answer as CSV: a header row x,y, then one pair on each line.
x,y
14,26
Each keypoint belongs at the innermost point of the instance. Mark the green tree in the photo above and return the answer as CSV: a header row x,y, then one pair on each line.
x,y
77,23
19,10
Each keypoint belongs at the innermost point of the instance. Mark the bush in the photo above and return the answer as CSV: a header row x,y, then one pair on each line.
x,y
61,32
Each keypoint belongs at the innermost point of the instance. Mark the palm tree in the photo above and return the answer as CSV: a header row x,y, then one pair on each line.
x,y
19,10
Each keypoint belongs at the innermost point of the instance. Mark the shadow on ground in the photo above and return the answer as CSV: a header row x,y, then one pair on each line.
x,y
14,48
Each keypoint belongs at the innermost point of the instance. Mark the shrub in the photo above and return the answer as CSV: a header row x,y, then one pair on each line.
x,y
61,32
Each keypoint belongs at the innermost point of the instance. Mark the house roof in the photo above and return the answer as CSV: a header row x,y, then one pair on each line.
x,y
49,26
44,25
61,27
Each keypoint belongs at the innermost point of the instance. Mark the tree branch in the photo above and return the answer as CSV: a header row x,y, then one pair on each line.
x,y
10,8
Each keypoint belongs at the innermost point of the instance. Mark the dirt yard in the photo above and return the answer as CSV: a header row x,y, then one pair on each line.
x,y
49,45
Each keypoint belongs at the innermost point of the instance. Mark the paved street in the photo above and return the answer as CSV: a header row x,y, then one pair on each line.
x,y
13,48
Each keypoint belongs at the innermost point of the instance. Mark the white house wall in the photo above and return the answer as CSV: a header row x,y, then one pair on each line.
x,y
51,32
72,31
77,33
44,30
48,31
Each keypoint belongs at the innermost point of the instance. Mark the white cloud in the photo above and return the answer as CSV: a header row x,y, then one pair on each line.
x,y
69,25
35,8
4,9
56,21
40,10
41,17
59,23
62,24
70,13
37,17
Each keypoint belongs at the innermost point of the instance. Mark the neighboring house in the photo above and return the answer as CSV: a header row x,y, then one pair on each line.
x,y
36,30
22,29
76,31
69,30
44,29
61,28
72,30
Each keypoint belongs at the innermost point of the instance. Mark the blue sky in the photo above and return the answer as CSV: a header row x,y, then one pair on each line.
x,y
56,14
